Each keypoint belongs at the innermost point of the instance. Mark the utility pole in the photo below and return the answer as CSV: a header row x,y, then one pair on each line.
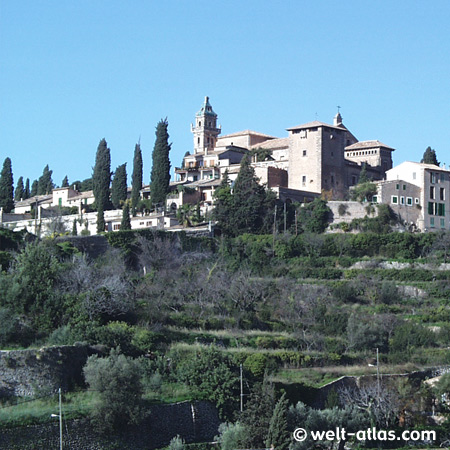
x,y
242,391
296,226
378,375
60,421
274,229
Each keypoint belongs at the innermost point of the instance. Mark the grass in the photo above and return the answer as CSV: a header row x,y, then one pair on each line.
x,y
34,411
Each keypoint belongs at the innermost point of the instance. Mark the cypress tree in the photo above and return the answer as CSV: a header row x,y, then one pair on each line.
x,y
125,224
278,436
34,188
74,228
45,182
6,187
251,203
101,176
19,193
429,157
65,182
27,189
223,205
119,186
136,178
100,219
160,175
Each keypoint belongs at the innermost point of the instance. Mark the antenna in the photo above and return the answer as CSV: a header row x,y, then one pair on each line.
x,y
339,109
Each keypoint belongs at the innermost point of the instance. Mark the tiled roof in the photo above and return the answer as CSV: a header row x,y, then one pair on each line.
x,y
273,144
32,200
246,132
316,124
367,144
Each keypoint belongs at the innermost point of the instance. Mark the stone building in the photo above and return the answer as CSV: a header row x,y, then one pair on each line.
x,y
315,158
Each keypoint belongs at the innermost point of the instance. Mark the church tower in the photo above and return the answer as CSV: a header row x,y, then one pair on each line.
x,y
205,129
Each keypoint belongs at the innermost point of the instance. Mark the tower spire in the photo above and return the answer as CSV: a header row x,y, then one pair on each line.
x,y
205,129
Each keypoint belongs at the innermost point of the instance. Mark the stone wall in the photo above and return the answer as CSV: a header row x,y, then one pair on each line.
x,y
25,373
194,422
347,211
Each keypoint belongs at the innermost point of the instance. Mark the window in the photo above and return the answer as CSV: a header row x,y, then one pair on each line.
x,y
374,199
442,194
409,201
141,223
432,222
332,179
304,180
442,221
149,223
441,209
59,201
116,227
432,192
416,201
432,177
402,200
394,199
397,186
198,140
442,177
304,152
404,187
353,179
200,123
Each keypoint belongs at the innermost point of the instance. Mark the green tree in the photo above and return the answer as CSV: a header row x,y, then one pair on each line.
x,y
429,157
65,182
45,182
212,376
176,443
100,219
119,186
314,216
363,192
278,436
363,177
136,178
74,228
258,413
223,206
125,224
117,379
102,176
34,188
19,193
27,192
231,436
160,175
6,187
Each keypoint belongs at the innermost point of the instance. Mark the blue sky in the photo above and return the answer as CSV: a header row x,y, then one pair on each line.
x,y
73,72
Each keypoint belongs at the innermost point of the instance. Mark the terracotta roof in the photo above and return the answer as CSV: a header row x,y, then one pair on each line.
x,y
367,144
273,144
32,200
246,132
316,124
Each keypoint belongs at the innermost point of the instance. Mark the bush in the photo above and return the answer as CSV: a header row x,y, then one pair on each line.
x,y
117,379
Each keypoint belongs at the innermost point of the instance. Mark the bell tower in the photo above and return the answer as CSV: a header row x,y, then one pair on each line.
x,y
205,129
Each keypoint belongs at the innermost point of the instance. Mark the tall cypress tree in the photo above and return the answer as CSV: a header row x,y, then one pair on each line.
x,y
45,182
65,182
100,219
6,187
278,436
27,189
125,224
223,205
101,176
429,157
136,178
34,188
160,175
119,186
19,193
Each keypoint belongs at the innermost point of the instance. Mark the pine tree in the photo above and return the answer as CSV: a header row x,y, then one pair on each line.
x,y
102,176
19,193
65,182
45,182
136,178
6,187
119,186
429,157
363,177
160,175
100,219
34,188
278,436
125,224
27,189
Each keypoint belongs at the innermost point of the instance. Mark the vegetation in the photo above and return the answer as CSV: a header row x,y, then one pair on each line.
x,y
136,178
6,187
45,183
160,175
101,177
119,187
19,192
429,157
